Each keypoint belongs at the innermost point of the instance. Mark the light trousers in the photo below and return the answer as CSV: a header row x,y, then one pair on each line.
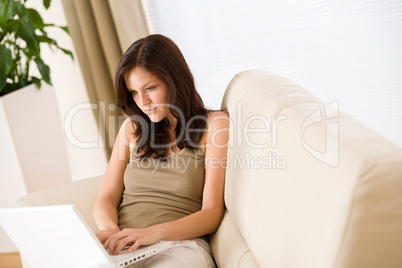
x,y
193,253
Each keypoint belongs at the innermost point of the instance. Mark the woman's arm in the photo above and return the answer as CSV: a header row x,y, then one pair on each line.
x,y
208,219
200,223
112,186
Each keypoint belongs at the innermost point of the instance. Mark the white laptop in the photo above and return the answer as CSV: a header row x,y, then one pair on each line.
x,y
58,236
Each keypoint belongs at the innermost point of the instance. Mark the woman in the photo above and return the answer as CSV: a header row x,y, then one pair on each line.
x,y
165,178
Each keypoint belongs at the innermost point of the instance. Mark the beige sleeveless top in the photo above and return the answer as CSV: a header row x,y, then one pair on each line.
x,y
159,191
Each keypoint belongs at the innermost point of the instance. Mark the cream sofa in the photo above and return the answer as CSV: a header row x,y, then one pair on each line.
x,y
307,186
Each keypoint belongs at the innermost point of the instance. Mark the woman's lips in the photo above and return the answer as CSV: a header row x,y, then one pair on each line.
x,y
150,111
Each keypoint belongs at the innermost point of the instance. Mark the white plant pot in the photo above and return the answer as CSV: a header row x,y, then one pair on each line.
x,y
33,154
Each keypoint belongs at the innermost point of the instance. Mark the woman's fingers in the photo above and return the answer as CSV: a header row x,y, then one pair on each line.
x,y
127,241
111,242
103,235
117,242
129,237
135,246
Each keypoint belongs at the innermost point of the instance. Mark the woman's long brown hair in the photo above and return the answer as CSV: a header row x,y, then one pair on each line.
x,y
160,56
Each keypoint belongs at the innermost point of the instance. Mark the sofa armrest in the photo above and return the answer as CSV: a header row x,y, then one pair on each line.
x,y
229,247
81,193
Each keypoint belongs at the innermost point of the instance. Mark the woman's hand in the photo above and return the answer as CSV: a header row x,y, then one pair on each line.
x,y
131,237
103,235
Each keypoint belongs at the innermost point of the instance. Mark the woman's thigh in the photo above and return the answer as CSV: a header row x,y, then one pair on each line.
x,y
184,254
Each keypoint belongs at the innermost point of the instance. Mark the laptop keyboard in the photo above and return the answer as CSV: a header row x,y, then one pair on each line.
x,y
130,257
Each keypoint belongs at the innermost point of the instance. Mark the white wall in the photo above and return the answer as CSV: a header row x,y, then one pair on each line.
x,y
350,51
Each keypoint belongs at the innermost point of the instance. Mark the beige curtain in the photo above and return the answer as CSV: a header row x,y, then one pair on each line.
x,y
101,31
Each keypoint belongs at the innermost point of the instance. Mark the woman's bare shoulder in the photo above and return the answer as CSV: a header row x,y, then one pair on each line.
x,y
217,119
217,130
128,129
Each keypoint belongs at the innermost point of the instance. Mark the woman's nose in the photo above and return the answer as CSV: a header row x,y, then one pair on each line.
x,y
144,99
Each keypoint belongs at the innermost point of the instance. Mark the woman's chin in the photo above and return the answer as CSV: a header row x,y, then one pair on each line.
x,y
155,119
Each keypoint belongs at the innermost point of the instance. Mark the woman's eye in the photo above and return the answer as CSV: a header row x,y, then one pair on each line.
x,y
133,92
150,88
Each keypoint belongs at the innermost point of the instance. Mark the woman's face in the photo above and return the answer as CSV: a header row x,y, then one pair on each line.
x,y
149,93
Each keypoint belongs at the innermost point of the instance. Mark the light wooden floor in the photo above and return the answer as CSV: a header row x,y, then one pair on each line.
x,y
10,260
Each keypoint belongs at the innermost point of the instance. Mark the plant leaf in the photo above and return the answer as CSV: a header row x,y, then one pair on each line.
x,y
45,39
43,69
65,28
50,41
12,26
3,82
22,82
67,52
6,11
36,81
35,18
6,59
46,3
2,35
26,32
21,10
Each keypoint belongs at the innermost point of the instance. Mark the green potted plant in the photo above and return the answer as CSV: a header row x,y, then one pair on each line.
x,y
22,31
